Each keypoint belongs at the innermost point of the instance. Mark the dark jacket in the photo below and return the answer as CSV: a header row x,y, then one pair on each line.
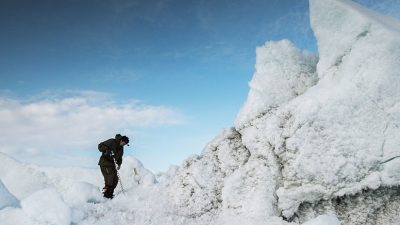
x,y
113,146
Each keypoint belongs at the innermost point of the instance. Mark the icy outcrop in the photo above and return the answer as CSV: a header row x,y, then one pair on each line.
x,y
310,132
282,73
344,129
380,206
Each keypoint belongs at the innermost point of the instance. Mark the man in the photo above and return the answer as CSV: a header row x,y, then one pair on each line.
x,y
112,152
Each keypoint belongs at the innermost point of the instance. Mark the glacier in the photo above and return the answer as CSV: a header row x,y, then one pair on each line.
x,y
316,142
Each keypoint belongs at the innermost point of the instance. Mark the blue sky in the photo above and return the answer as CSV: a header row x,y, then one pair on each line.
x,y
171,74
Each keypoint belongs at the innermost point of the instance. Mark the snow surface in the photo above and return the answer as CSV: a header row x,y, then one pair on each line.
x,y
324,220
47,206
68,200
312,129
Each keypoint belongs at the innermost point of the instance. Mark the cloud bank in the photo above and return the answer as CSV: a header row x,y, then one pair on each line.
x,y
65,125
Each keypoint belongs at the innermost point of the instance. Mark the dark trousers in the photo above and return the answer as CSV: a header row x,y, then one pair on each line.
x,y
110,178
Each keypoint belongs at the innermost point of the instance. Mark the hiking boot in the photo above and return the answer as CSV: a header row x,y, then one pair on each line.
x,y
108,192
108,195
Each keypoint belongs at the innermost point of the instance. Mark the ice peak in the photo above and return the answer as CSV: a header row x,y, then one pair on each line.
x,y
338,25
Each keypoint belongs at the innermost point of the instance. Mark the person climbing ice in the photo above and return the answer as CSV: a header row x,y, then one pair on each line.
x,y
110,161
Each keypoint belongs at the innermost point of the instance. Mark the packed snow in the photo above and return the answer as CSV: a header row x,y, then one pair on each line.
x,y
315,129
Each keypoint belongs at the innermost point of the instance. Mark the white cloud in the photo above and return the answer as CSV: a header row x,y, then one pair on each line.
x,y
50,125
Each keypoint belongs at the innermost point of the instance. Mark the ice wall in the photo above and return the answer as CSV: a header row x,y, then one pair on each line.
x,y
310,131
342,135
345,128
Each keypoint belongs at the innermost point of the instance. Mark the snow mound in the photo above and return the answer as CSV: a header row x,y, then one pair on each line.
x,y
47,207
73,195
20,179
133,173
80,192
13,216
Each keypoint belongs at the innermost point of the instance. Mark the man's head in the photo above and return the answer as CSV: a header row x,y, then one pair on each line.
x,y
124,141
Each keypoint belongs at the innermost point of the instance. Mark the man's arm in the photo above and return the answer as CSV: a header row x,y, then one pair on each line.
x,y
103,147
119,160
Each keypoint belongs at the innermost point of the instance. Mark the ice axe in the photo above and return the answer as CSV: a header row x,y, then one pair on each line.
x,y
119,177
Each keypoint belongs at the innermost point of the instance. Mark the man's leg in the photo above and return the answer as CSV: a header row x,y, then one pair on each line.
x,y
114,181
108,174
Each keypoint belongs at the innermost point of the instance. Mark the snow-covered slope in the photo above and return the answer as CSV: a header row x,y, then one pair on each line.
x,y
316,141
31,194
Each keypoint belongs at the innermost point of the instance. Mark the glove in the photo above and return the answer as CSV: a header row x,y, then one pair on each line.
x,y
109,153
